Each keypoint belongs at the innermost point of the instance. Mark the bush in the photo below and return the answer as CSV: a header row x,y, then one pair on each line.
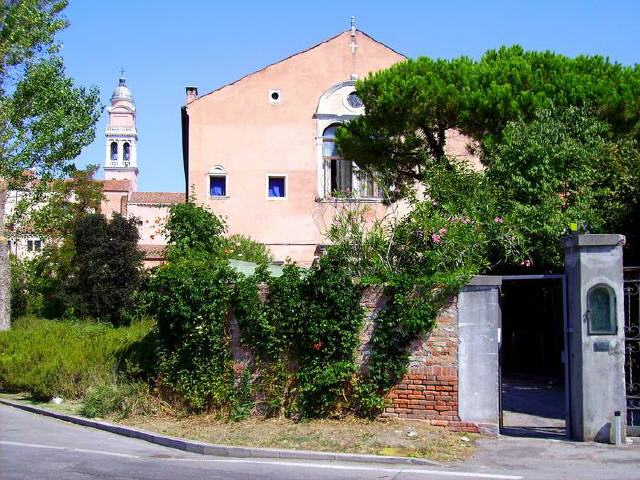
x,y
244,248
190,299
48,276
310,322
60,358
194,227
121,400
19,284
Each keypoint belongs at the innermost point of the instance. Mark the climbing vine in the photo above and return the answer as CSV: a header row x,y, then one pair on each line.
x,y
307,328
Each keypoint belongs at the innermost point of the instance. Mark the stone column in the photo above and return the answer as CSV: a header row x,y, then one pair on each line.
x,y
596,334
479,323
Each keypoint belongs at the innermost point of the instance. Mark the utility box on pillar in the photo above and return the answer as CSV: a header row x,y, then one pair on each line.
x,y
596,334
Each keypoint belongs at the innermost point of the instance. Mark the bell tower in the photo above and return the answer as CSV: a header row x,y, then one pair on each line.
x,y
121,148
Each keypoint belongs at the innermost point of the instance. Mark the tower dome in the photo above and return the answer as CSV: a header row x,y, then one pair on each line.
x,y
122,92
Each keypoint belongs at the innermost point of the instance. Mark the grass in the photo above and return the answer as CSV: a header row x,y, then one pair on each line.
x,y
70,407
351,435
48,358
380,437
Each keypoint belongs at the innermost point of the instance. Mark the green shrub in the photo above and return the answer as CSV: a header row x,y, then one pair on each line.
x,y
61,358
190,299
194,227
120,399
19,284
244,248
310,321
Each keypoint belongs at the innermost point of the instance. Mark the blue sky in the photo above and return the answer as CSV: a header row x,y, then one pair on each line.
x,y
165,45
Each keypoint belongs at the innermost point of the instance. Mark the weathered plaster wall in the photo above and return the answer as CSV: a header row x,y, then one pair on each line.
x,y
479,317
239,129
596,361
151,222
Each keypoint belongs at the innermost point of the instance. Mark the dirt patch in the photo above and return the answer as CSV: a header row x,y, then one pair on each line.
x,y
381,437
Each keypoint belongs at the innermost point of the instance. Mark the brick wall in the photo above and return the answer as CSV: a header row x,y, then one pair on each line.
x,y
429,390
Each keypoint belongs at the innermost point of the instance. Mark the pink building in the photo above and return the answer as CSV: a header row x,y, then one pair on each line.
x,y
261,153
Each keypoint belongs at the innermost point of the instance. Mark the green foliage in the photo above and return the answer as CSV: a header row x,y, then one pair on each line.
x,y
106,266
240,247
241,403
62,358
19,284
410,106
190,299
564,167
49,275
45,119
45,122
120,399
423,258
65,203
311,321
194,227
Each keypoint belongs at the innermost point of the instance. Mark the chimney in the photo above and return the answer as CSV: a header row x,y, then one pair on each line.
x,y
192,94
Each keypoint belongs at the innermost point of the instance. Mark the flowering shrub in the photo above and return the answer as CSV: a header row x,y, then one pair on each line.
x,y
451,233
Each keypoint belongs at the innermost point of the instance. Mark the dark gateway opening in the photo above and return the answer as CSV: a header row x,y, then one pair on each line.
x,y
532,367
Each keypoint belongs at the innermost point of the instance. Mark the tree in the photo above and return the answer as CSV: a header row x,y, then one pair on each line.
x,y
194,227
565,167
411,106
45,120
106,266
52,213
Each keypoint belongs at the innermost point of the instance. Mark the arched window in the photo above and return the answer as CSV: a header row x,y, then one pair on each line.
x,y
601,310
340,181
126,151
114,152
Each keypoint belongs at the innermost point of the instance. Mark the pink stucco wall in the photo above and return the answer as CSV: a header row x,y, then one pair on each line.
x,y
151,221
237,128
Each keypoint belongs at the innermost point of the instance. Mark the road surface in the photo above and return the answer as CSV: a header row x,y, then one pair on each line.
x,y
38,447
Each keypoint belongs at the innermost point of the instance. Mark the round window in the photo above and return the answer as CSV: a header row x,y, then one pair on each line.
x,y
354,100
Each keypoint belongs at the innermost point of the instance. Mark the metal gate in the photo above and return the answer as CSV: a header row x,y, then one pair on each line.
x,y
632,353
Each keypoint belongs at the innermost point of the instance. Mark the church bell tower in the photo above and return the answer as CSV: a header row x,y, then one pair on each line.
x,y
121,149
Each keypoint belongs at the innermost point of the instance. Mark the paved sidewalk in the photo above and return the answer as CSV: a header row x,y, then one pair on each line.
x,y
539,458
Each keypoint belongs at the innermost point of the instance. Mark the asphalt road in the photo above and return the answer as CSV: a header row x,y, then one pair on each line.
x,y
36,447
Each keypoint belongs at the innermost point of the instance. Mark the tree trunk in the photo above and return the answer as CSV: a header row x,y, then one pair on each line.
x,y
5,290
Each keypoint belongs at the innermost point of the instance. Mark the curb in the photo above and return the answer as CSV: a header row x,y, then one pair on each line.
x,y
202,448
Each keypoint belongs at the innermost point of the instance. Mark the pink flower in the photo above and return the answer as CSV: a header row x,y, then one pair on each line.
x,y
526,263
498,220
442,231
435,238
465,220
317,345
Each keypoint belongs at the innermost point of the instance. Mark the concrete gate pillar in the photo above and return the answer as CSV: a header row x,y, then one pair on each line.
x,y
479,322
595,305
